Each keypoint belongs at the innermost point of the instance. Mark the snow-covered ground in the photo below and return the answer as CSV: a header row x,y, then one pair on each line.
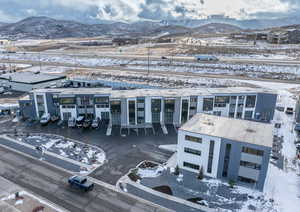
x,y
48,69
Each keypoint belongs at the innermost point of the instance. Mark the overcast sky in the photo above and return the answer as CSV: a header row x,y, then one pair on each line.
x,y
134,10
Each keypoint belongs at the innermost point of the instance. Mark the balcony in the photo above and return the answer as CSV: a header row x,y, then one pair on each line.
x,y
249,173
251,158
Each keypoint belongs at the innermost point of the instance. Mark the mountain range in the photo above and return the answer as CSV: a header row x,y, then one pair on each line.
x,y
49,28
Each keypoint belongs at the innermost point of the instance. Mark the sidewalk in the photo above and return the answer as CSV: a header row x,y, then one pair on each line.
x,y
27,201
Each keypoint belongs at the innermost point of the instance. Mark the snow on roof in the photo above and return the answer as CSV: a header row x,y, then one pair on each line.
x,y
234,129
153,92
30,77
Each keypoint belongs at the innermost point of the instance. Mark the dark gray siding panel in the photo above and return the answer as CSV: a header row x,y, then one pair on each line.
x,y
265,106
27,109
234,162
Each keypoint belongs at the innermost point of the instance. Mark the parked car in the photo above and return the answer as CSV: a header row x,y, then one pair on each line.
x,y
289,110
280,108
71,122
87,123
81,183
79,121
95,123
45,119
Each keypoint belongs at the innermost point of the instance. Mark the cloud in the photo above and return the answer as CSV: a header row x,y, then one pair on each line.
x,y
134,10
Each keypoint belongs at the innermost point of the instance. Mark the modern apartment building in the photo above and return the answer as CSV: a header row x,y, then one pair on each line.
x,y
226,148
149,106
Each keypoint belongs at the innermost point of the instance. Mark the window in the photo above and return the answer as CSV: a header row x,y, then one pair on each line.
x,y
250,165
208,104
226,160
131,108
115,106
221,101
194,139
105,105
246,180
169,105
156,105
252,151
210,156
191,165
103,99
248,114
184,110
250,101
67,101
192,151
217,113
239,115
231,114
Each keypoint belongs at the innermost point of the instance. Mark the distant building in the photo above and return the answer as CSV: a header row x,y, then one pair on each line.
x,y
124,41
249,35
27,81
284,36
4,42
226,148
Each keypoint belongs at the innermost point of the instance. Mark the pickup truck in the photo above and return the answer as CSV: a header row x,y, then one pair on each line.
x,y
81,183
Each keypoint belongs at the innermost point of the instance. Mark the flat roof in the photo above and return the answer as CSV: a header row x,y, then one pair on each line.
x,y
154,92
29,77
234,129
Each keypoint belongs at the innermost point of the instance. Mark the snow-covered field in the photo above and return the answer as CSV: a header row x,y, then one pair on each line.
x,y
284,185
67,148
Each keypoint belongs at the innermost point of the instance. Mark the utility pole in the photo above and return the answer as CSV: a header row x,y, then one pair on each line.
x,y
148,60
40,61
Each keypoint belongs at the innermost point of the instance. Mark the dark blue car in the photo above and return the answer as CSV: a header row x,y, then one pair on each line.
x,y
81,182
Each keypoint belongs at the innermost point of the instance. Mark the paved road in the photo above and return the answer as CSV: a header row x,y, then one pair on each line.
x,y
120,69
50,183
173,58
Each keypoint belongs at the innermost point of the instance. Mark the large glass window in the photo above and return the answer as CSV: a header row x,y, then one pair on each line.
x,y
221,101
184,110
192,151
246,180
115,106
226,160
131,107
156,105
210,156
193,139
169,105
191,165
248,114
67,100
250,101
208,104
250,165
253,151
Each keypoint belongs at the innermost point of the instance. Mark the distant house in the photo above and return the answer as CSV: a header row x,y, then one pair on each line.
x,y
226,148
261,35
124,41
284,36
27,81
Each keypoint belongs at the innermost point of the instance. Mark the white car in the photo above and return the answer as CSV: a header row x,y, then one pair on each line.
x,y
45,119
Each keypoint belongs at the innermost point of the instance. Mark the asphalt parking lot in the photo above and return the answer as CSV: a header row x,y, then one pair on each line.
x,y
122,153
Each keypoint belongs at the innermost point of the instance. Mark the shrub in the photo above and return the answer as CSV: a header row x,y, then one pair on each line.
x,y
231,183
200,174
176,172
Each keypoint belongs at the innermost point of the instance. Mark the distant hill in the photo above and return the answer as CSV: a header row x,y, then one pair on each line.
x,y
49,28
244,24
